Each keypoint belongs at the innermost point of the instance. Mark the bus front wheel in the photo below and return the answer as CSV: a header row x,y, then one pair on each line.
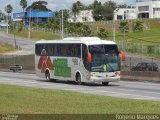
x,y
105,83
78,79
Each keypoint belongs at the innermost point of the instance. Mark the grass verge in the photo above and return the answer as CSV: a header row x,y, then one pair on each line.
x,y
36,35
5,48
26,100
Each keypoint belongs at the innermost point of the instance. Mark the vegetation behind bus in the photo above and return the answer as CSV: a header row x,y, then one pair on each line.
x,y
6,48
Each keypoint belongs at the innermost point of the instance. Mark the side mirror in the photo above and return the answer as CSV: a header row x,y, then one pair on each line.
x,y
89,57
122,55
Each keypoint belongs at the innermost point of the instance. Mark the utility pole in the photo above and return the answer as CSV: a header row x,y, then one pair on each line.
x,y
29,27
114,25
15,42
7,23
62,26
114,29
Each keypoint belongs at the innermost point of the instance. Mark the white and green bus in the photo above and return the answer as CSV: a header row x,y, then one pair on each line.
x,y
80,59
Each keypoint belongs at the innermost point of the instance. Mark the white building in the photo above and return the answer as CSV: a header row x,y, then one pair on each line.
x,y
3,24
148,8
125,13
82,16
143,9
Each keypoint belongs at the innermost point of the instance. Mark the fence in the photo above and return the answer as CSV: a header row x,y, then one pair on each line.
x,y
139,48
26,61
132,62
141,68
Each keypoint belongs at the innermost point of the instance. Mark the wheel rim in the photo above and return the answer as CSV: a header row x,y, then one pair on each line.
x,y
48,76
105,83
78,80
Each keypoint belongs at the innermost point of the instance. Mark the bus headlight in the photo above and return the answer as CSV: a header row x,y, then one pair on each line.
x,y
117,73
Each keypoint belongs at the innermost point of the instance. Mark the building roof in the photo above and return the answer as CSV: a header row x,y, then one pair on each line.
x,y
35,14
41,14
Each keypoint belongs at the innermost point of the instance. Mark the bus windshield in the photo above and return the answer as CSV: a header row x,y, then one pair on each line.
x,y
105,58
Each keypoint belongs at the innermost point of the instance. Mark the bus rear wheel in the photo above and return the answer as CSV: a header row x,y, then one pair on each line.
x,y
47,74
78,79
105,83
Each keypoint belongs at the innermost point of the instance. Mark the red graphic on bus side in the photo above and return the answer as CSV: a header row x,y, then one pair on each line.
x,y
44,63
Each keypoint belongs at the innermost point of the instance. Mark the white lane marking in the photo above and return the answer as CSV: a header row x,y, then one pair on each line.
x,y
127,94
126,90
5,79
139,83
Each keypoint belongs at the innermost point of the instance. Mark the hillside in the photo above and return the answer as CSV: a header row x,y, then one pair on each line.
x,y
5,48
146,42
151,28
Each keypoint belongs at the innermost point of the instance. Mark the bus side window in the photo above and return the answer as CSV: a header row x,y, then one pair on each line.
x,y
68,52
56,50
72,51
60,50
41,50
78,50
84,52
51,50
38,49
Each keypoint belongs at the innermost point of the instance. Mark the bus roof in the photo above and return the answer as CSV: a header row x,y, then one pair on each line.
x,y
84,40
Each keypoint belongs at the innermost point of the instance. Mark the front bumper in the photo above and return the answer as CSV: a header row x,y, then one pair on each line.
x,y
107,79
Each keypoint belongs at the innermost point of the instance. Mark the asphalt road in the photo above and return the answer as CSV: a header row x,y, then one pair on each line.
x,y
26,45
122,89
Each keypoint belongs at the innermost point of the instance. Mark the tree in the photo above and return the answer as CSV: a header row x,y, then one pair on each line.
x,y
98,13
102,33
85,30
124,26
109,8
137,26
76,7
8,9
38,6
96,4
54,22
65,14
23,3
78,29
105,11
124,6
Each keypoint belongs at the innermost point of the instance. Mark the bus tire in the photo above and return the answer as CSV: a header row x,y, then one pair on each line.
x,y
78,79
105,83
47,74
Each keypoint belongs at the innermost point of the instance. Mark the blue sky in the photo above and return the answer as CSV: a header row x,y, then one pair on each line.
x,y
54,4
